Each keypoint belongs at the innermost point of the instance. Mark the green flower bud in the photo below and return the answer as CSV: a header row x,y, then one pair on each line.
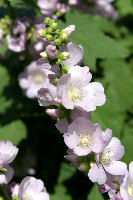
x,y
64,55
15,197
53,26
57,42
58,62
56,80
49,30
84,167
3,26
42,33
47,20
44,55
63,36
64,70
63,43
58,14
57,32
3,20
49,37
51,21
3,170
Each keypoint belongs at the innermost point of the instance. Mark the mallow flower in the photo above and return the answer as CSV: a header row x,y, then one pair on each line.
x,y
33,189
75,90
6,178
108,160
47,6
84,137
32,79
7,153
126,189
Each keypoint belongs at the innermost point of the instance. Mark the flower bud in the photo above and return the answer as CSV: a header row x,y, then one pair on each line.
x,y
57,32
63,44
51,51
51,21
64,55
63,36
49,37
84,167
69,29
47,20
57,42
49,30
53,26
42,33
44,55
53,112
58,62
65,70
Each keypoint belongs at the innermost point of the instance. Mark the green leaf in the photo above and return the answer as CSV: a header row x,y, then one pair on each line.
x,y
124,7
4,78
4,81
66,172
95,43
60,193
3,48
94,194
118,84
14,132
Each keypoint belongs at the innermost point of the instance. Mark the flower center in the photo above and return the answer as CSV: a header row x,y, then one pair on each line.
x,y
38,78
75,93
105,158
27,197
130,190
85,139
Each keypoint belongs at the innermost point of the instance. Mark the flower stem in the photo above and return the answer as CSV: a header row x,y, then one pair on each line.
x,y
10,10
3,195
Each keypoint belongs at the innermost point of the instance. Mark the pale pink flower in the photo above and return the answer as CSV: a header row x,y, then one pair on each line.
x,y
7,153
32,79
32,188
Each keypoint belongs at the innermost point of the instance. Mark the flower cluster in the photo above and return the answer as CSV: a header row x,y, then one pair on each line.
x,y
92,150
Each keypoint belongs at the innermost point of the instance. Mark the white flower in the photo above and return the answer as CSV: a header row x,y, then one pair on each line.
x,y
32,189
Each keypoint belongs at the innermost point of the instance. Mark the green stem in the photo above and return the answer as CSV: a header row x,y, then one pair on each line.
x,y
3,195
10,10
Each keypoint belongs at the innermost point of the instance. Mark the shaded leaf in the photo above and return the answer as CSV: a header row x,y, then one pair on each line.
x,y
14,132
95,43
94,194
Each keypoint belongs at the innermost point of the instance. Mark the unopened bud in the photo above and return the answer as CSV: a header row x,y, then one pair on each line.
x,y
49,30
57,32
69,29
56,80
64,55
63,44
58,62
51,51
53,112
57,42
51,21
63,36
47,20
49,37
42,33
53,26
84,167
91,164
64,70
44,55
